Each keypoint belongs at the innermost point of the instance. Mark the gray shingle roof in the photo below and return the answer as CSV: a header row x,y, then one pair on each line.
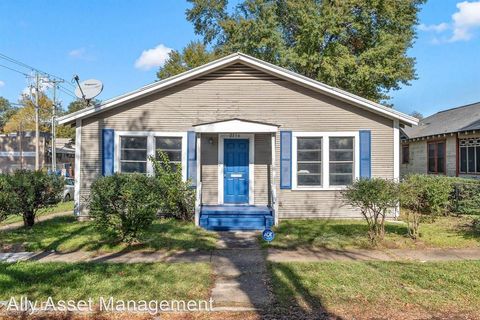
x,y
463,118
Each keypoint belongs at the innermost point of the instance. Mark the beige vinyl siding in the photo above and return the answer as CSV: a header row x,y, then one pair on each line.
x,y
209,160
418,156
250,95
262,164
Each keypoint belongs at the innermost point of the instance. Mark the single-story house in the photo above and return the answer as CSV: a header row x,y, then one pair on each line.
x,y
446,143
258,142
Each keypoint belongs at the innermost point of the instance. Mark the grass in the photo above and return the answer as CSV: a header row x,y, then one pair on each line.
x,y
378,289
65,234
60,207
444,232
146,281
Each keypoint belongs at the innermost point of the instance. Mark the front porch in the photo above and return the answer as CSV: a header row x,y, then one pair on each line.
x,y
235,175
236,217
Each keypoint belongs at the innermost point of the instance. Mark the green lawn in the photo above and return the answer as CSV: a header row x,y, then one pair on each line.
x,y
146,281
445,232
60,207
378,289
65,234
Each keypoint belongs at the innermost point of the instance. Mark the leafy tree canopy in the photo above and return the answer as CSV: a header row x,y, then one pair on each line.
x,y
357,45
6,112
193,55
79,105
24,117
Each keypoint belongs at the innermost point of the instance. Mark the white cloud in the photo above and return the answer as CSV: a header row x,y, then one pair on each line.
x,y
463,23
81,54
2,83
77,53
44,85
434,27
465,20
151,58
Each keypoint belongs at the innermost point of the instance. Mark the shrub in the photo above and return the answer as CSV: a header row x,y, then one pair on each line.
x,y
25,192
123,206
427,194
375,198
466,196
177,197
412,198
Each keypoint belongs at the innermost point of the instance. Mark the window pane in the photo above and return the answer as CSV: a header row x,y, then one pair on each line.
x,y
463,159
471,159
341,161
309,180
341,143
137,155
133,154
309,155
405,154
171,146
168,143
305,168
309,161
341,168
134,143
477,148
431,157
130,167
441,157
340,179
309,143
340,155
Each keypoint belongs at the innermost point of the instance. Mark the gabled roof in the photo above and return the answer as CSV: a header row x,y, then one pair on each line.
x,y
254,63
464,118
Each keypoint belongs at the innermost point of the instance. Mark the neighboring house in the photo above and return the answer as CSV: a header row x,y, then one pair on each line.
x,y
259,143
447,143
17,151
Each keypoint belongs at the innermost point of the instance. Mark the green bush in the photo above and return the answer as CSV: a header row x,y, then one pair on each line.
x,y
25,192
123,206
427,194
375,198
466,196
177,197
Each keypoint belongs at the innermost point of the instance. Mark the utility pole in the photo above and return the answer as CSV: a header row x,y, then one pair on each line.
x,y
54,113
37,122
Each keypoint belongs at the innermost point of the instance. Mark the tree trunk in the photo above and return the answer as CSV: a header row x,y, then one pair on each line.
x,y
28,219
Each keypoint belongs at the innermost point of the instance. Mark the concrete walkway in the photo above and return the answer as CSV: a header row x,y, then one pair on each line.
x,y
19,224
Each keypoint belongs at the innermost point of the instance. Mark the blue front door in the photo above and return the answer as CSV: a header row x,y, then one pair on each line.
x,y
235,171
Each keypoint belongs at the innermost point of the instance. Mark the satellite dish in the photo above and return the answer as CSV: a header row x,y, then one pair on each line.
x,y
89,89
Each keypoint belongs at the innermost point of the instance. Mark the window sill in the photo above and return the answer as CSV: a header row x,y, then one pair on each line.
x,y
335,188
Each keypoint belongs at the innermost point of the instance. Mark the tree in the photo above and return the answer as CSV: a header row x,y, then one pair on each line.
x,y
417,115
193,55
6,112
357,45
374,198
24,117
77,105
25,192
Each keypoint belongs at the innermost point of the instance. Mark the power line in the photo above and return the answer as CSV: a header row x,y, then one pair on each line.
x,y
24,65
15,70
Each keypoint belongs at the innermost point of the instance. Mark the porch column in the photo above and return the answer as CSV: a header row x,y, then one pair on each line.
x,y
198,197
274,184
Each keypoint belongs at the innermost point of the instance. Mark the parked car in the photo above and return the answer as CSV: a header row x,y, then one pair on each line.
x,y
69,189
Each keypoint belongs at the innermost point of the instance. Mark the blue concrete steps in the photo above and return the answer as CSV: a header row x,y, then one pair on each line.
x,y
229,217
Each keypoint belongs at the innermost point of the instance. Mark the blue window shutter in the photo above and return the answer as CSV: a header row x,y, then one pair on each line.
x,y
286,160
192,157
365,154
108,145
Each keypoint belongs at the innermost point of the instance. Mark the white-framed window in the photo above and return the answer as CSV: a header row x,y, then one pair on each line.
x,y
324,160
134,148
470,155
